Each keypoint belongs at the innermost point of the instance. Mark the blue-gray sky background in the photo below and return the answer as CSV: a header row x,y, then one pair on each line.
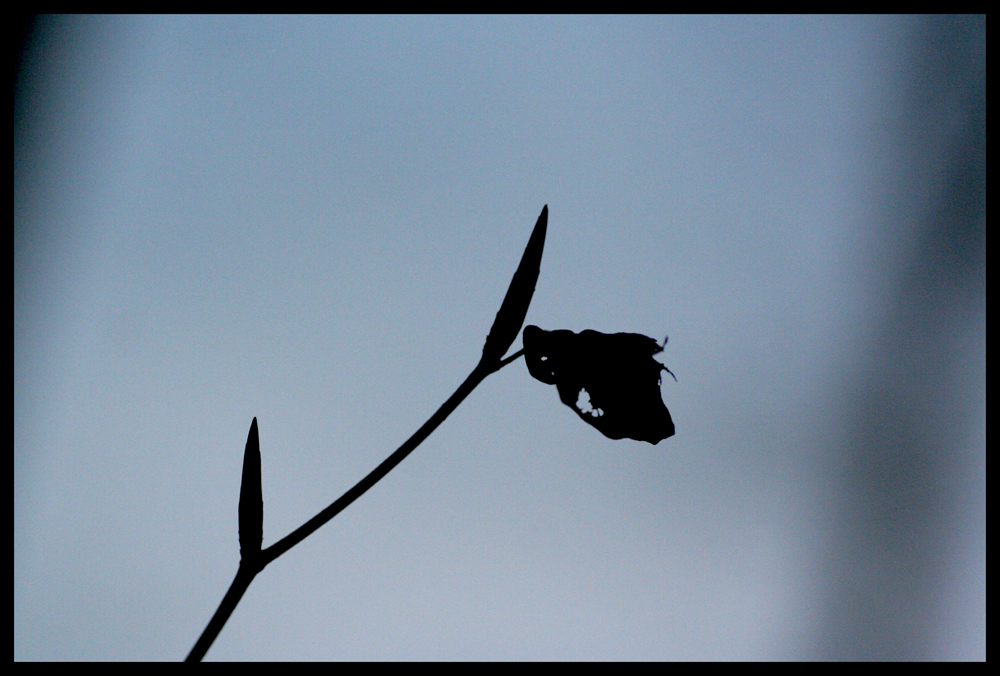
x,y
314,220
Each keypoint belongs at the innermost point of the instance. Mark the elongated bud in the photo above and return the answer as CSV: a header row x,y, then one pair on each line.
x,y
251,498
515,304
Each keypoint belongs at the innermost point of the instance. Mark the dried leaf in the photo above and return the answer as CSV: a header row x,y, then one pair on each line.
x,y
251,498
515,304
610,380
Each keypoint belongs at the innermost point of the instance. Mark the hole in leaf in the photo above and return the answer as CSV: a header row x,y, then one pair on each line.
x,y
583,403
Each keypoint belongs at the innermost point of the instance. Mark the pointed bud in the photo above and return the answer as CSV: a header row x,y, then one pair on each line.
x,y
515,304
251,499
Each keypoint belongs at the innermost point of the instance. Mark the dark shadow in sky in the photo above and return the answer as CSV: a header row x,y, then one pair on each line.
x,y
903,455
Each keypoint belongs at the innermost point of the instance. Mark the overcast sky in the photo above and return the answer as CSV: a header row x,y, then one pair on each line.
x,y
314,220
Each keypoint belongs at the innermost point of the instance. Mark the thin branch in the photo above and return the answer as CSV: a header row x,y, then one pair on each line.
x,y
359,489
249,569
506,326
504,362
244,576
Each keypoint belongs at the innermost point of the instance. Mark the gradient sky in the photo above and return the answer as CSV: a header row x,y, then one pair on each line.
x,y
314,220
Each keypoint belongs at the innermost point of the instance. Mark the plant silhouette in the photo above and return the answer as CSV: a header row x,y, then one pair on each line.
x,y
616,371
611,381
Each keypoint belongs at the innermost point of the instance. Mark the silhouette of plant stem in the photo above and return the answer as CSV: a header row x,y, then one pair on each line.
x,y
250,567
505,328
244,576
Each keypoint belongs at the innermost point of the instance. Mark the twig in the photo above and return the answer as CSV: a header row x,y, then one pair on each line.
x,y
505,328
249,569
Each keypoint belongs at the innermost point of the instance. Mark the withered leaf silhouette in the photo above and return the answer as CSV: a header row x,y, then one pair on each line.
x,y
609,380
